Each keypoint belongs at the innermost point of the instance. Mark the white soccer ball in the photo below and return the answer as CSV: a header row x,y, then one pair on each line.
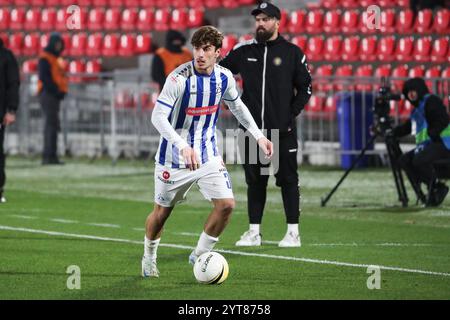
x,y
211,268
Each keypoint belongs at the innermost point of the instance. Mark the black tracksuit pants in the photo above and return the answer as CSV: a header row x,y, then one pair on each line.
x,y
50,107
418,166
286,178
2,158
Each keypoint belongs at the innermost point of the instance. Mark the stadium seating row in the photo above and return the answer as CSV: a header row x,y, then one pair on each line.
x,y
363,3
354,21
50,19
80,44
212,4
369,48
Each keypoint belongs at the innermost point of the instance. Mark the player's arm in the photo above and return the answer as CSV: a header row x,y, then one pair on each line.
x,y
171,92
243,115
302,83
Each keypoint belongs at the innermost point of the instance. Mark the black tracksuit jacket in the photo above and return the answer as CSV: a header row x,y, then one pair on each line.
x,y
9,82
276,81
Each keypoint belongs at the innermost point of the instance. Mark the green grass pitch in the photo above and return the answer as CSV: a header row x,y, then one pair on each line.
x,y
92,215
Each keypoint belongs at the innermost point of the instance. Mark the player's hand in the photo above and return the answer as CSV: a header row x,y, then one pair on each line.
x,y
267,146
190,158
9,118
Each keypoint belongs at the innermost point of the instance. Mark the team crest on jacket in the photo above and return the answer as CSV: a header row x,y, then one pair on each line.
x,y
277,61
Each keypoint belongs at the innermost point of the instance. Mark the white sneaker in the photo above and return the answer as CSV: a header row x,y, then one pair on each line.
x,y
249,239
192,258
2,199
291,239
149,268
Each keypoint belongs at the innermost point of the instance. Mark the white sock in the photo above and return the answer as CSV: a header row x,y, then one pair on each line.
x,y
292,228
254,228
205,243
151,248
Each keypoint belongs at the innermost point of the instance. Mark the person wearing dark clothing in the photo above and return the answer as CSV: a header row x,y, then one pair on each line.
x,y
52,88
429,122
417,5
171,56
9,102
276,88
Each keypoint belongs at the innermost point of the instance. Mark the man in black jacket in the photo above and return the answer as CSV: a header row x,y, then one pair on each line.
x,y
276,88
429,122
9,102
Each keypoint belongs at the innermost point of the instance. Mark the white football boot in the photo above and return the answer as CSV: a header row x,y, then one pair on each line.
x,y
149,268
192,258
291,239
250,238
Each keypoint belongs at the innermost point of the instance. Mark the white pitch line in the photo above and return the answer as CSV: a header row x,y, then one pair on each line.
x,y
64,220
106,225
22,216
261,255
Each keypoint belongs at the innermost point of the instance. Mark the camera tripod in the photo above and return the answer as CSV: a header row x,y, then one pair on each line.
x,y
394,152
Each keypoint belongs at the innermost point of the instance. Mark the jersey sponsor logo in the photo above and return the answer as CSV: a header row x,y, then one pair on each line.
x,y
166,175
201,111
165,178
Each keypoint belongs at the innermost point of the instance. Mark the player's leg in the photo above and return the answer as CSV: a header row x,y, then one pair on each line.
x,y
287,179
171,186
215,185
2,164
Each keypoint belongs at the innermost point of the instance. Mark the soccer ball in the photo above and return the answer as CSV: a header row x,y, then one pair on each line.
x,y
211,268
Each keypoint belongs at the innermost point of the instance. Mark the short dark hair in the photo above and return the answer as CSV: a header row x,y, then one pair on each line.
x,y
205,35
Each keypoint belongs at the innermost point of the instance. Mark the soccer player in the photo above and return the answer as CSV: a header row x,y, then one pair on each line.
x,y
185,115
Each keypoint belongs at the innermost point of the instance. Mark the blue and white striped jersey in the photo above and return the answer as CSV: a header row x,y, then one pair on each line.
x,y
191,103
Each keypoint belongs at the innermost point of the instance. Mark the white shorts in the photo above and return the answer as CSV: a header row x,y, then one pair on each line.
x,y
172,185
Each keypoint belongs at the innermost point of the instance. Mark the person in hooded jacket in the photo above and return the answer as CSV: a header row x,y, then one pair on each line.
x,y
167,58
429,122
9,102
52,88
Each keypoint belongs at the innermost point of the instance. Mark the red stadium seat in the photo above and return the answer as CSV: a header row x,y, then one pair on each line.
x,y
94,44
43,41
400,71
315,106
368,48
283,21
76,66
110,45
404,49
315,48
350,48
321,82
245,37
228,43
386,48
112,19
430,73
16,43
343,71
417,71
32,19
314,21
94,66
364,71
48,19
78,45
212,4
230,4
31,44
300,41
330,108
387,20
17,18
120,3
349,3
405,22
332,48
145,19
329,4
368,23
162,19
296,22
350,21
440,51
61,20
441,22
143,44
5,39
383,71
195,17
67,39
148,3
95,19
129,18
127,45
332,21
30,66
446,73
422,49
424,21
4,18
179,19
